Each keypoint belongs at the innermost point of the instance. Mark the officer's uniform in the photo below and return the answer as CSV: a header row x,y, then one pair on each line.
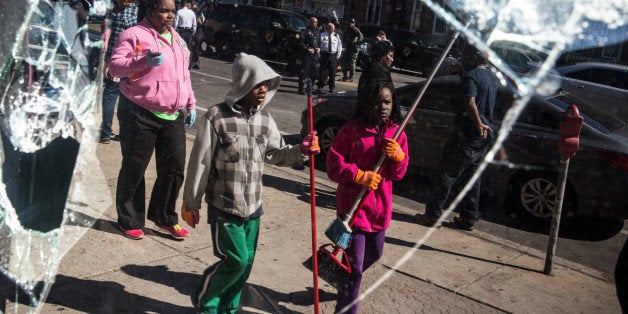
x,y
310,39
331,50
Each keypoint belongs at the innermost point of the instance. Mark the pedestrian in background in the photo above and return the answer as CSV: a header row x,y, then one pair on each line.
x,y
377,69
157,90
381,35
331,50
354,152
351,37
310,53
198,36
226,165
185,24
122,17
472,135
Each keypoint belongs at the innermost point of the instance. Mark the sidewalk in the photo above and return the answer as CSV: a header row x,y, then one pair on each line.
x,y
455,271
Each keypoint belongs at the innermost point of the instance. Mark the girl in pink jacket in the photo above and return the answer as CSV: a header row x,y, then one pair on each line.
x,y
353,154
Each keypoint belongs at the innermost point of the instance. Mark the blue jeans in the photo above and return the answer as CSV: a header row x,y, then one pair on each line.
x,y
461,158
365,249
110,94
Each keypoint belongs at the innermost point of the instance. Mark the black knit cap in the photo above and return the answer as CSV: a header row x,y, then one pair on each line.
x,y
381,48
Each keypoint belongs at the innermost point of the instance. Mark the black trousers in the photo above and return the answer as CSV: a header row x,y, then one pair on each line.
x,y
328,71
188,37
141,133
309,69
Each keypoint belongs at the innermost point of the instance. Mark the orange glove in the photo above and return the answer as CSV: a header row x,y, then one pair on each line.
x,y
191,217
309,145
368,179
393,150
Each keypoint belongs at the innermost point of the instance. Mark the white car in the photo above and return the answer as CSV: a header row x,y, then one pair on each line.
x,y
603,84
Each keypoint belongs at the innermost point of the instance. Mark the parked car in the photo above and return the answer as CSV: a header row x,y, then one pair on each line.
x,y
518,57
266,32
598,173
604,83
412,51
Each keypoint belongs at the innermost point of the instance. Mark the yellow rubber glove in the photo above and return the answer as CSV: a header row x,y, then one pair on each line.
x,y
191,217
368,179
393,150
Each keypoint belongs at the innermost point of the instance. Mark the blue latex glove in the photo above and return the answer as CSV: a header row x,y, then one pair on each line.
x,y
189,120
154,58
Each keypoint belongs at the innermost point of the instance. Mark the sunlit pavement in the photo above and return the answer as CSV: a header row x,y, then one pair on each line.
x,y
454,271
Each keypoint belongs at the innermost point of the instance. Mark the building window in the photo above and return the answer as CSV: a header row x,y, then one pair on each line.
x,y
440,26
373,12
415,23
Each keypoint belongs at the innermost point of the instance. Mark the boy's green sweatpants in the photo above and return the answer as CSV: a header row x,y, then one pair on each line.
x,y
235,242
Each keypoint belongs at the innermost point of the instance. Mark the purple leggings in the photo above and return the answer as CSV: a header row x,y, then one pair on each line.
x,y
366,248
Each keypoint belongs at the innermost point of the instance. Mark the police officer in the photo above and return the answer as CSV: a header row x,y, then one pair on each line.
x,y
310,49
352,37
331,50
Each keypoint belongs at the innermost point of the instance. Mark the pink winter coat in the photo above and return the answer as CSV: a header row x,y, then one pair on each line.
x,y
164,88
356,146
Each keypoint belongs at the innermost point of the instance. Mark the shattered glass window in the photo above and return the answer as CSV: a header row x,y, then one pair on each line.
x,y
47,129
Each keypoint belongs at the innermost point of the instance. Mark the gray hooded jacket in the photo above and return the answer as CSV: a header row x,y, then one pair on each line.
x,y
227,159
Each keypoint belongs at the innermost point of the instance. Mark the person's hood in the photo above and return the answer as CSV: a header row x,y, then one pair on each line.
x,y
248,71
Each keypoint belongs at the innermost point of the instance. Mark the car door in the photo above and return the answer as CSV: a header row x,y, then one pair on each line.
x,y
432,122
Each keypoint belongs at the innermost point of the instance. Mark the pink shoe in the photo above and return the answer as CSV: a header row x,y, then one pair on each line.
x,y
135,234
176,231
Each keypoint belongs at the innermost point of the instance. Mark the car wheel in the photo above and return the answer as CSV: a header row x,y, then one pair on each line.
x,y
534,195
327,131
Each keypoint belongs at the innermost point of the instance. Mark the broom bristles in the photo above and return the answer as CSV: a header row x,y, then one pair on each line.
x,y
328,269
339,233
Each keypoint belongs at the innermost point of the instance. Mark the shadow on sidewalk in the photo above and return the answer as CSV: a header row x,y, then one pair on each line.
x,y
324,199
399,242
253,296
91,296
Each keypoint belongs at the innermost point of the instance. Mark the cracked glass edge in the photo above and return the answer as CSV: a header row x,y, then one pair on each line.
x,y
49,96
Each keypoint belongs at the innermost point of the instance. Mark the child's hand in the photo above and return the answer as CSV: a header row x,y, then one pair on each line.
x,y
393,150
309,145
191,217
154,58
368,179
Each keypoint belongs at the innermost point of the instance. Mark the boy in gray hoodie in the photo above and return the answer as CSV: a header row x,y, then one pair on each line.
x,y
234,140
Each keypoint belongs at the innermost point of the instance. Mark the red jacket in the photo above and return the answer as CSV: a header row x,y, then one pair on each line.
x,y
357,146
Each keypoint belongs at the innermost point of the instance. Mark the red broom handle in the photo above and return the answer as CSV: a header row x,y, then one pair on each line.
x,y
359,200
313,200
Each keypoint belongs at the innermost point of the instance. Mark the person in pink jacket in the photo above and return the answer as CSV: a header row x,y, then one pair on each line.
x,y
353,154
155,105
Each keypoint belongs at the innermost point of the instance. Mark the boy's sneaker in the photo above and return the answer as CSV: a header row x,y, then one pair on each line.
x,y
423,220
176,231
462,224
135,234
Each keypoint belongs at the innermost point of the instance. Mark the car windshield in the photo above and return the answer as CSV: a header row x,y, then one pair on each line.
x,y
294,21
